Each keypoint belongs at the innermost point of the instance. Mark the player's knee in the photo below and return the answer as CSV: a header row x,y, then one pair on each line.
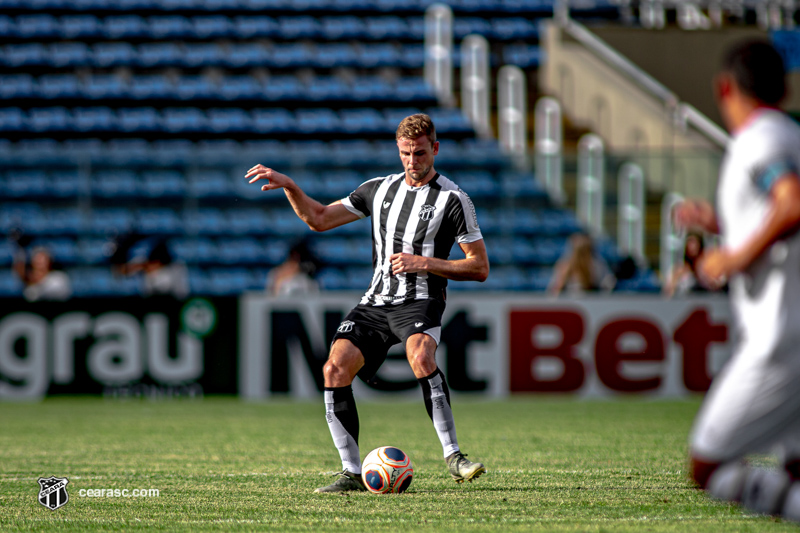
x,y
701,470
422,363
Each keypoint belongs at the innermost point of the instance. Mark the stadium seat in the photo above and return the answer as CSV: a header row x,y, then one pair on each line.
x,y
63,250
378,55
248,27
12,119
513,28
522,55
57,86
293,28
153,86
338,184
463,26
364,121
124,27
241,88
227,120
202,55
49,119
117,183
336,55
65,183
283,88
385,28
247,55
205,221
240,251
316,121
165,27
113,54
59,221
323,88
104,86
79,26
272,120
195,88
138,119
94,251
183,119
159,54
10,284
158,220
372,88
201,251
212,27
93,119
162,184
292,55
338,28
24,55
68,54
17,86
36,26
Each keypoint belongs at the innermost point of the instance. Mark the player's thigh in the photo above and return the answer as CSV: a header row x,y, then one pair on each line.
x,y
750,408
421,354
367,329
346,356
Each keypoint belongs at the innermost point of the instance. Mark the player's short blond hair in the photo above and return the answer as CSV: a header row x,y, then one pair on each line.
x,y
415,126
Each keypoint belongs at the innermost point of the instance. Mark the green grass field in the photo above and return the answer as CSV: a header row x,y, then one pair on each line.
x,y
222,464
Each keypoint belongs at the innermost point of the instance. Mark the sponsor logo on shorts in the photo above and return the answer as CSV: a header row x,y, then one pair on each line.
x,y
386,204
417,324
346,326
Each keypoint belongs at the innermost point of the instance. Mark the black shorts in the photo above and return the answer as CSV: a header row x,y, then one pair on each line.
x,y
374,330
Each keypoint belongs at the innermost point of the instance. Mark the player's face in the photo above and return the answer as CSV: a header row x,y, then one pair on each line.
x,y
417,156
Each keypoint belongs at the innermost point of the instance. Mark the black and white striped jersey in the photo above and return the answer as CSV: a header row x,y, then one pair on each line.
x,y
425,221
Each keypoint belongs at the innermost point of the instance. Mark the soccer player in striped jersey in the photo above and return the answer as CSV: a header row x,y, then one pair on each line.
x,y
417,216
753,405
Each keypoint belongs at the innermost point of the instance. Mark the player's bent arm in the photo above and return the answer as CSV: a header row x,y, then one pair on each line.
x,y
317,216
783,219
474,267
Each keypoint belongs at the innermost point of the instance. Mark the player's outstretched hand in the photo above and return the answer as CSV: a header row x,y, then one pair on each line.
x,y
275,180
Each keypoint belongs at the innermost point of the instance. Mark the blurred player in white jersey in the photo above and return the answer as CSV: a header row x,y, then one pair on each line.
x,y
754,404
417,216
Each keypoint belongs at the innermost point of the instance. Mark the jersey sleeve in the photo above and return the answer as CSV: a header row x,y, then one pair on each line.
x,y
765,174
461,213
359,202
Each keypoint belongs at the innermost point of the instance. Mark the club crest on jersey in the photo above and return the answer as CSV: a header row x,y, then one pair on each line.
x,y
53,492
426,211
346,326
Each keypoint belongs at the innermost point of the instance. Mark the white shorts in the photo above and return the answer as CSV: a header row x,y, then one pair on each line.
x,y
753,406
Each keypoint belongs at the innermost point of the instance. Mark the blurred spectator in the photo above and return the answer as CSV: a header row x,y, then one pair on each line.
x,y
42,281
580,270
684,279
295,275
162,275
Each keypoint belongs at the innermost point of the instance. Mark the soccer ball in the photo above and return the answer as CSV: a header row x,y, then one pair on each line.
x,y
387,469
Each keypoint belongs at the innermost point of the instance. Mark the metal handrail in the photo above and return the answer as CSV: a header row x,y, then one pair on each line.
x,y
685,113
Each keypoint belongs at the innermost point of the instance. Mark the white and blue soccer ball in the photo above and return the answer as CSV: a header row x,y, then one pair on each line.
x,y
387,469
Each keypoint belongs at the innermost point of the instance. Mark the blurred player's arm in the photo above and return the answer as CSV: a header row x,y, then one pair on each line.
x,y
696,215
474,267
319,217
783,219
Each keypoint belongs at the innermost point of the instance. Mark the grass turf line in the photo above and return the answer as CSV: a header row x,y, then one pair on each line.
x,y
221,464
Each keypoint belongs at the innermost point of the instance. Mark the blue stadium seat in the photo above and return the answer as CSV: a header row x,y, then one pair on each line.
x,y
203,55
159,54
24,55
56,86
549,250
261,27
286,223
411,89
138,119
26,183
463,26
226,120
292,55
348,27
117,183
12,119
308,153
124,152
338,184
209,184
521,184
240,251
352,153
323,88
240,88
195,88
104,86
8,26
172,152
477,183
194,250
522,55
17,86
413,56
158,221
36,26
60,221
164,27
113,54
65,183
379,55
10,284
321,120
274,251
153,86
372,88
213,152
247,55
211,27
336,55
364,121
79,26
124,27
205,221
249,221
94,119
273,120
49,119
283,88
387,27
299,27
332,279
69,54
163,184
183,119
63,250
94,251
100,281
511,28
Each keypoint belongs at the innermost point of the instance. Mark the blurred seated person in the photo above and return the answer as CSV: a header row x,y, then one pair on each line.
x,y
295,275
684,279
580,270
42,281
162,275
